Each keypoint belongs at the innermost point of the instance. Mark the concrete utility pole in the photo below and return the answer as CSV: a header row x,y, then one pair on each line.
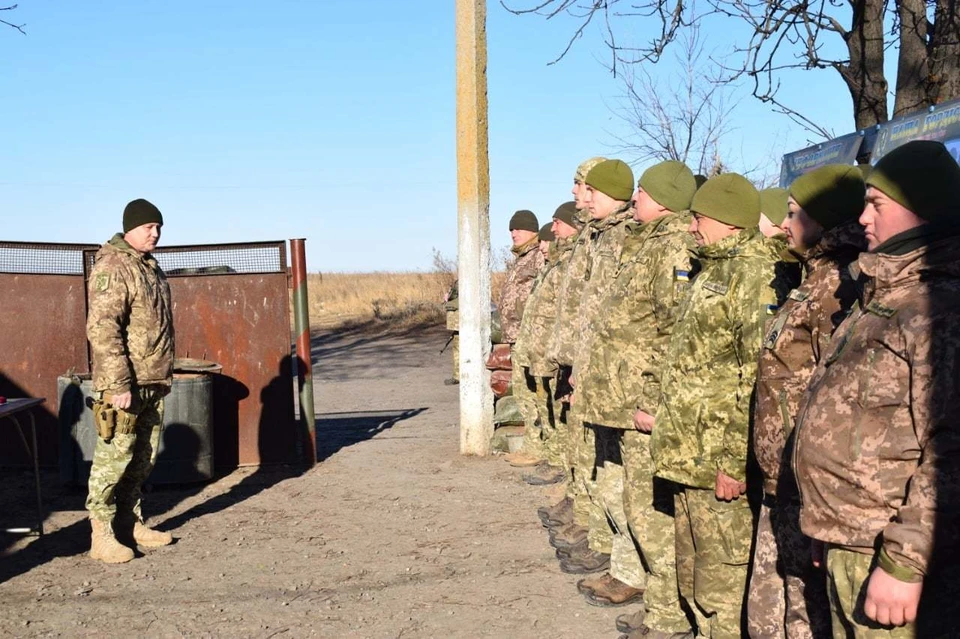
x,y
473,197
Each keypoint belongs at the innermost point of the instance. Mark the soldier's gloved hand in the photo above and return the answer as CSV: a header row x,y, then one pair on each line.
x,y
643,421
729,488
889,601
122,400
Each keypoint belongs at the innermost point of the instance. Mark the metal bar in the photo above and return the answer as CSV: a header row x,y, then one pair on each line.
x,y
301,321
36,471
473,208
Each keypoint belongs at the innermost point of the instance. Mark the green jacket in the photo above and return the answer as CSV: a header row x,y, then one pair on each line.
x,y
703,418
540,313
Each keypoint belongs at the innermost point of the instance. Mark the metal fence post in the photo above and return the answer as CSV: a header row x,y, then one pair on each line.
x,y
301,323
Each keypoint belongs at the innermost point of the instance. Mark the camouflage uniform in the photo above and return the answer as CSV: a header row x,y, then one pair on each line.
x,y
517,287
623,375
877,453
130,329
703,419
787,596
598,457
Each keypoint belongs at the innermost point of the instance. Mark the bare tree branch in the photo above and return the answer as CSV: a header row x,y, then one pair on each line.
x,y
18,27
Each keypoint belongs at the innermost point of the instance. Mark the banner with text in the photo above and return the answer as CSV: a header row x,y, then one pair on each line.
x,y
942,123
842,150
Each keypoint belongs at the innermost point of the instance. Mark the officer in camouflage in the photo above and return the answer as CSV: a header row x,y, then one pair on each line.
x,y
877,454
621,387
130,330
787,596
700,432
524,231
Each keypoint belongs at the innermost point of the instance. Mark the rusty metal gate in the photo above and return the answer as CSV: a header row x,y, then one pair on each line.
x,y
230,304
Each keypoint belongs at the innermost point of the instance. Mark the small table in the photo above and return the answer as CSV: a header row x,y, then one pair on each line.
x,y
9,411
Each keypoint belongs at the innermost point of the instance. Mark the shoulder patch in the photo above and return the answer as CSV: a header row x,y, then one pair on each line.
x,y
798,296
681,276
102,281
771,309
715,287
881,310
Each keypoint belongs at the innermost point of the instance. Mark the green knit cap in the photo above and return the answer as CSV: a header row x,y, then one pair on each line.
x,y
584,169
546,233
524,221
612,177
831,195
671,184
140,212
922,176
567,212
773,204
728,198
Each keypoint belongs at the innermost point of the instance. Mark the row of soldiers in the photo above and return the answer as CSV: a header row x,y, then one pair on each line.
x,y
755,434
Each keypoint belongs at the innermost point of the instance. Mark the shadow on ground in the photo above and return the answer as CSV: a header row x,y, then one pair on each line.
x,y
336,431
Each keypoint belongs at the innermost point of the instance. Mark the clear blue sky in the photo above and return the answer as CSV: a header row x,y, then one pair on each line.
x,y
331,120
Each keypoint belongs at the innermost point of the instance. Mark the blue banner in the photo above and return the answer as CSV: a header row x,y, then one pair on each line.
x,y
941,123
842,150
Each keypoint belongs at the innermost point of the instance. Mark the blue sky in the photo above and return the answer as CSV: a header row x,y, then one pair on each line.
x,y
247,121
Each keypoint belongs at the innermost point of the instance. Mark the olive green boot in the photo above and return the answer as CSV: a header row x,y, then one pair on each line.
x,y
105,547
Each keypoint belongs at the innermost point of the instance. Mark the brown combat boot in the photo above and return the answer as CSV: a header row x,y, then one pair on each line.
x,y
628,622
521,459
567,535
585,563
612,592
559,513
150,538
105,547
645,632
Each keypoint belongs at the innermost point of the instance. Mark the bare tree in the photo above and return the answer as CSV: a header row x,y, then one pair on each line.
x,y
682,119
18,27
800,34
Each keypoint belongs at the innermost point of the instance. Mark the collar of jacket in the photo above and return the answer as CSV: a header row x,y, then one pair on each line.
x,y
526,247
621,215
846,239
939,256
119,244
743,242
559,248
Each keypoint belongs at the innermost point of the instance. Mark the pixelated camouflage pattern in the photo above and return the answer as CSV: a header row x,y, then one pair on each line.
x,y
540,312
517,286
129,319
703,416
565,333
622,369
878,439
121,465
796,339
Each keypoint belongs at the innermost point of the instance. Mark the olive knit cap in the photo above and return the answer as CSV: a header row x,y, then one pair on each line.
x,y
567,213
612,177
584,169
773,204
546,233
671,185
140,212
923,177
524,221
728,198
831,195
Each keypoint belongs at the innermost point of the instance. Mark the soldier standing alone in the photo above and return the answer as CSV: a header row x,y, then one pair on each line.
x,y
130,329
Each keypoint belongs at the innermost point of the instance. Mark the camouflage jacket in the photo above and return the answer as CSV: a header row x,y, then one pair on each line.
x,y
622,370
565,333
129,319
516,288
703,415
796,339
878,437
604,246
540,314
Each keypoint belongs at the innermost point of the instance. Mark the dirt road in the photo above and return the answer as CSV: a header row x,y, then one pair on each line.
x,y
393,534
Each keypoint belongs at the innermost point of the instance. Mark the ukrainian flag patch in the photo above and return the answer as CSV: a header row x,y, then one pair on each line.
x,y
681,276
771,309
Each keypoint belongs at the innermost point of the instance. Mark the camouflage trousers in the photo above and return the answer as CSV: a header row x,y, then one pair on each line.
x,y
648,506
455,344
587,511
532,399
555,436
624,558
121,465
787,596
713,552
848,573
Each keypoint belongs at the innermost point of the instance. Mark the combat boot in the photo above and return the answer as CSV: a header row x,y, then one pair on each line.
x,y
645,632
580,547
586,563
105,547
610,592
544,475
628,622
521,460
567,535
559,513
150,538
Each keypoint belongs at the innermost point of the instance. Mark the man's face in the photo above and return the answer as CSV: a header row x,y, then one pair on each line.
x,y
803,232
578,194
883,217
545,249
768,228
645,208
143,238
706,230
521,237
562,230
599,203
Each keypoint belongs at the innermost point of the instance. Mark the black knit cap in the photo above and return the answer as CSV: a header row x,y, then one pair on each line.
x,y
567,212
546,233
524,221
140,212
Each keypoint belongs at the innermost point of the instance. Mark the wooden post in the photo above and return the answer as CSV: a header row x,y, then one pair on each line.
x,y
473,210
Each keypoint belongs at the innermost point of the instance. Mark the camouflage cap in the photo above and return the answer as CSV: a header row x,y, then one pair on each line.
x,y
613,178
524,220
773,204
546,233
671,185
584,169
567,213
923,177
729,198
831,195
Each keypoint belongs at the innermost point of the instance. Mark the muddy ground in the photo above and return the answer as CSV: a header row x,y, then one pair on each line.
x,y
393,534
